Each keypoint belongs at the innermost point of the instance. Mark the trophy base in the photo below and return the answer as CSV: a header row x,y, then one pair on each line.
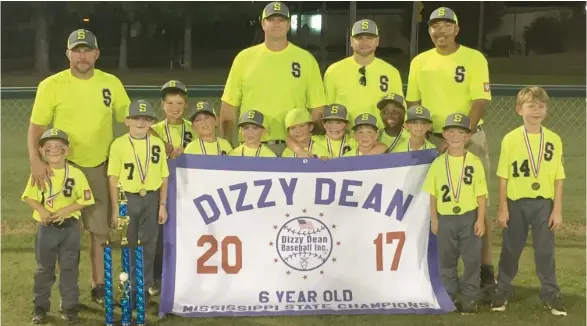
x,y
118,244
119,323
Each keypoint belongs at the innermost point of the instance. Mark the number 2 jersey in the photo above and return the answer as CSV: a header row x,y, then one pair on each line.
x,y
514,164
123,163
74,189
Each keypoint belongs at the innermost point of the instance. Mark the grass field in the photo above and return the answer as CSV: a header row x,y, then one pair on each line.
x,y
566,117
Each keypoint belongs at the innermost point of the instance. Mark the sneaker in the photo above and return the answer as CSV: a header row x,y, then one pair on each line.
x,y
499,302
70,316
98,294
155,288
468,307
556,306
487,276
39,315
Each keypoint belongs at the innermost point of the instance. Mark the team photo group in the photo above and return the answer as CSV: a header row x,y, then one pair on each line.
x,y
277,104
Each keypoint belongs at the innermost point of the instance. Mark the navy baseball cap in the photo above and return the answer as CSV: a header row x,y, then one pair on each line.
x,y
365,119
391,97
365,26
443,13
418,112
335,112
275,8
252,117
173,85
82,37
54,134
457,120
203,107
141,108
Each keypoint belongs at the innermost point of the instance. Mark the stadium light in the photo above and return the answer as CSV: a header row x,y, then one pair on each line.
x,y
86,20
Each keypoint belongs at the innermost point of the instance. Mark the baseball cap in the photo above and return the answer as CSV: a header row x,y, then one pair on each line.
x,y
82,37
253,117
203,107
443,13
275,8
335,112
365,119
296,117
54,134
418,112
391,97
173,85
140,108
457,120
365,26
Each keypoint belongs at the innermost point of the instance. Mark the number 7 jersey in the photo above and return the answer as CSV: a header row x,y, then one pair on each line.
x,y
515,164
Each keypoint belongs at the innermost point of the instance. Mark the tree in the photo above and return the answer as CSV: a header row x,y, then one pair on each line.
x,y
544,35
41,22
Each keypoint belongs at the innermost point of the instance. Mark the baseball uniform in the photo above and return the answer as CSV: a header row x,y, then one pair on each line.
x,y
178,135
364,119
399,142
255,118
297,117
336,148
200,147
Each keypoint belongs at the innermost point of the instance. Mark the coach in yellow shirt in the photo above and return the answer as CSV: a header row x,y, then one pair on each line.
x,y
452,78
81,101
361,80
273,78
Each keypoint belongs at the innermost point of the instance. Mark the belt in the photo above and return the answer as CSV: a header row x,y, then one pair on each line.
x,y
273,142
439,135
65,224
139,194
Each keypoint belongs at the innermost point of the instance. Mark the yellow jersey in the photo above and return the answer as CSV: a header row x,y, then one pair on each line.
x,y
274,83
465,170
447,84
199,147
517,168
315,148
394,144
132,159
335,148
261,151
177,135
341,84
68,185
405,147
83,109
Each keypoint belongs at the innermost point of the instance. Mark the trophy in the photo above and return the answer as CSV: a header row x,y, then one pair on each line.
x,y
124,281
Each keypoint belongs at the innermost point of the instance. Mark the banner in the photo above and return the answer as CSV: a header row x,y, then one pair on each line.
x,y
274,236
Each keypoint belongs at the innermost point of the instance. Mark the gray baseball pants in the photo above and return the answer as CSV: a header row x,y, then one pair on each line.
x,y
54,243
144,214
526,213
456,238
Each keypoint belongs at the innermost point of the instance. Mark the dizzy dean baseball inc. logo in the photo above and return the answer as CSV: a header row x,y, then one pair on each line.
x,y
304,243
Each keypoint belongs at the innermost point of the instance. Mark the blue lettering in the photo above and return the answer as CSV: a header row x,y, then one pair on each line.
x,y
331,189
288,190
242,191
266,184
398,202
263,297
345,192
215,211
224,201
373,200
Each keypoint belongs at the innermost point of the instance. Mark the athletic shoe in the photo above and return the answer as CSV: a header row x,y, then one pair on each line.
x,y
70,316
556,306
98,294
468,307
499,303
39,315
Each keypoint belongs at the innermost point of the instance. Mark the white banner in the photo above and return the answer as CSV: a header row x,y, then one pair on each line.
x,y
262,236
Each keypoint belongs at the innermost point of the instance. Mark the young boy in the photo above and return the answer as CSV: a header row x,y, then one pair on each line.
x,y
531,174
204,124
299,126
458,202
392,111
365,128
137,160
418,123
58,235
252,128
175,131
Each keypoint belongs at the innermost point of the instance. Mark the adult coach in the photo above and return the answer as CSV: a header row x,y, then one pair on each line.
x,y
361,80
81,101
452,78
272,78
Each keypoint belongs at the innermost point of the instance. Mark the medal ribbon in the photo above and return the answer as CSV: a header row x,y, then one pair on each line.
x,y
410,149
330,146
54,195
203,147
535,166
142,172
168,132
395,141
456,194
256,154
309,148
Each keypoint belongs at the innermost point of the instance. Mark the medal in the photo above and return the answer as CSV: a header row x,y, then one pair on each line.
x,y
456,209
340,151
168,132
455,192
142,171
52,195
143,192
256,154
309,148
203,147
535,165
395,141
410,149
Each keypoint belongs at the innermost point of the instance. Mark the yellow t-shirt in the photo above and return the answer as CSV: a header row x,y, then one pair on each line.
x,y
220,147
317,149
274,83
122,163
405,146
341,84
76,190
394,144
83,109
515,166
473,183
448,84
175,131
243,150
335,148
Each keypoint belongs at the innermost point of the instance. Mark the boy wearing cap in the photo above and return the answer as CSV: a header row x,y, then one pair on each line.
x,y
365,128
204,124
530,195
299,126
418,123
392,112
57,209
458,193
336,140
138,162
252,129
174,130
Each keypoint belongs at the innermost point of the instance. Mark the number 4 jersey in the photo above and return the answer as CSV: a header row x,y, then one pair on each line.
x,y
68,185
516,165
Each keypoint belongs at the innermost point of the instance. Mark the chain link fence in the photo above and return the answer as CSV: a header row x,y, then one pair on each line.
x,y
566,117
